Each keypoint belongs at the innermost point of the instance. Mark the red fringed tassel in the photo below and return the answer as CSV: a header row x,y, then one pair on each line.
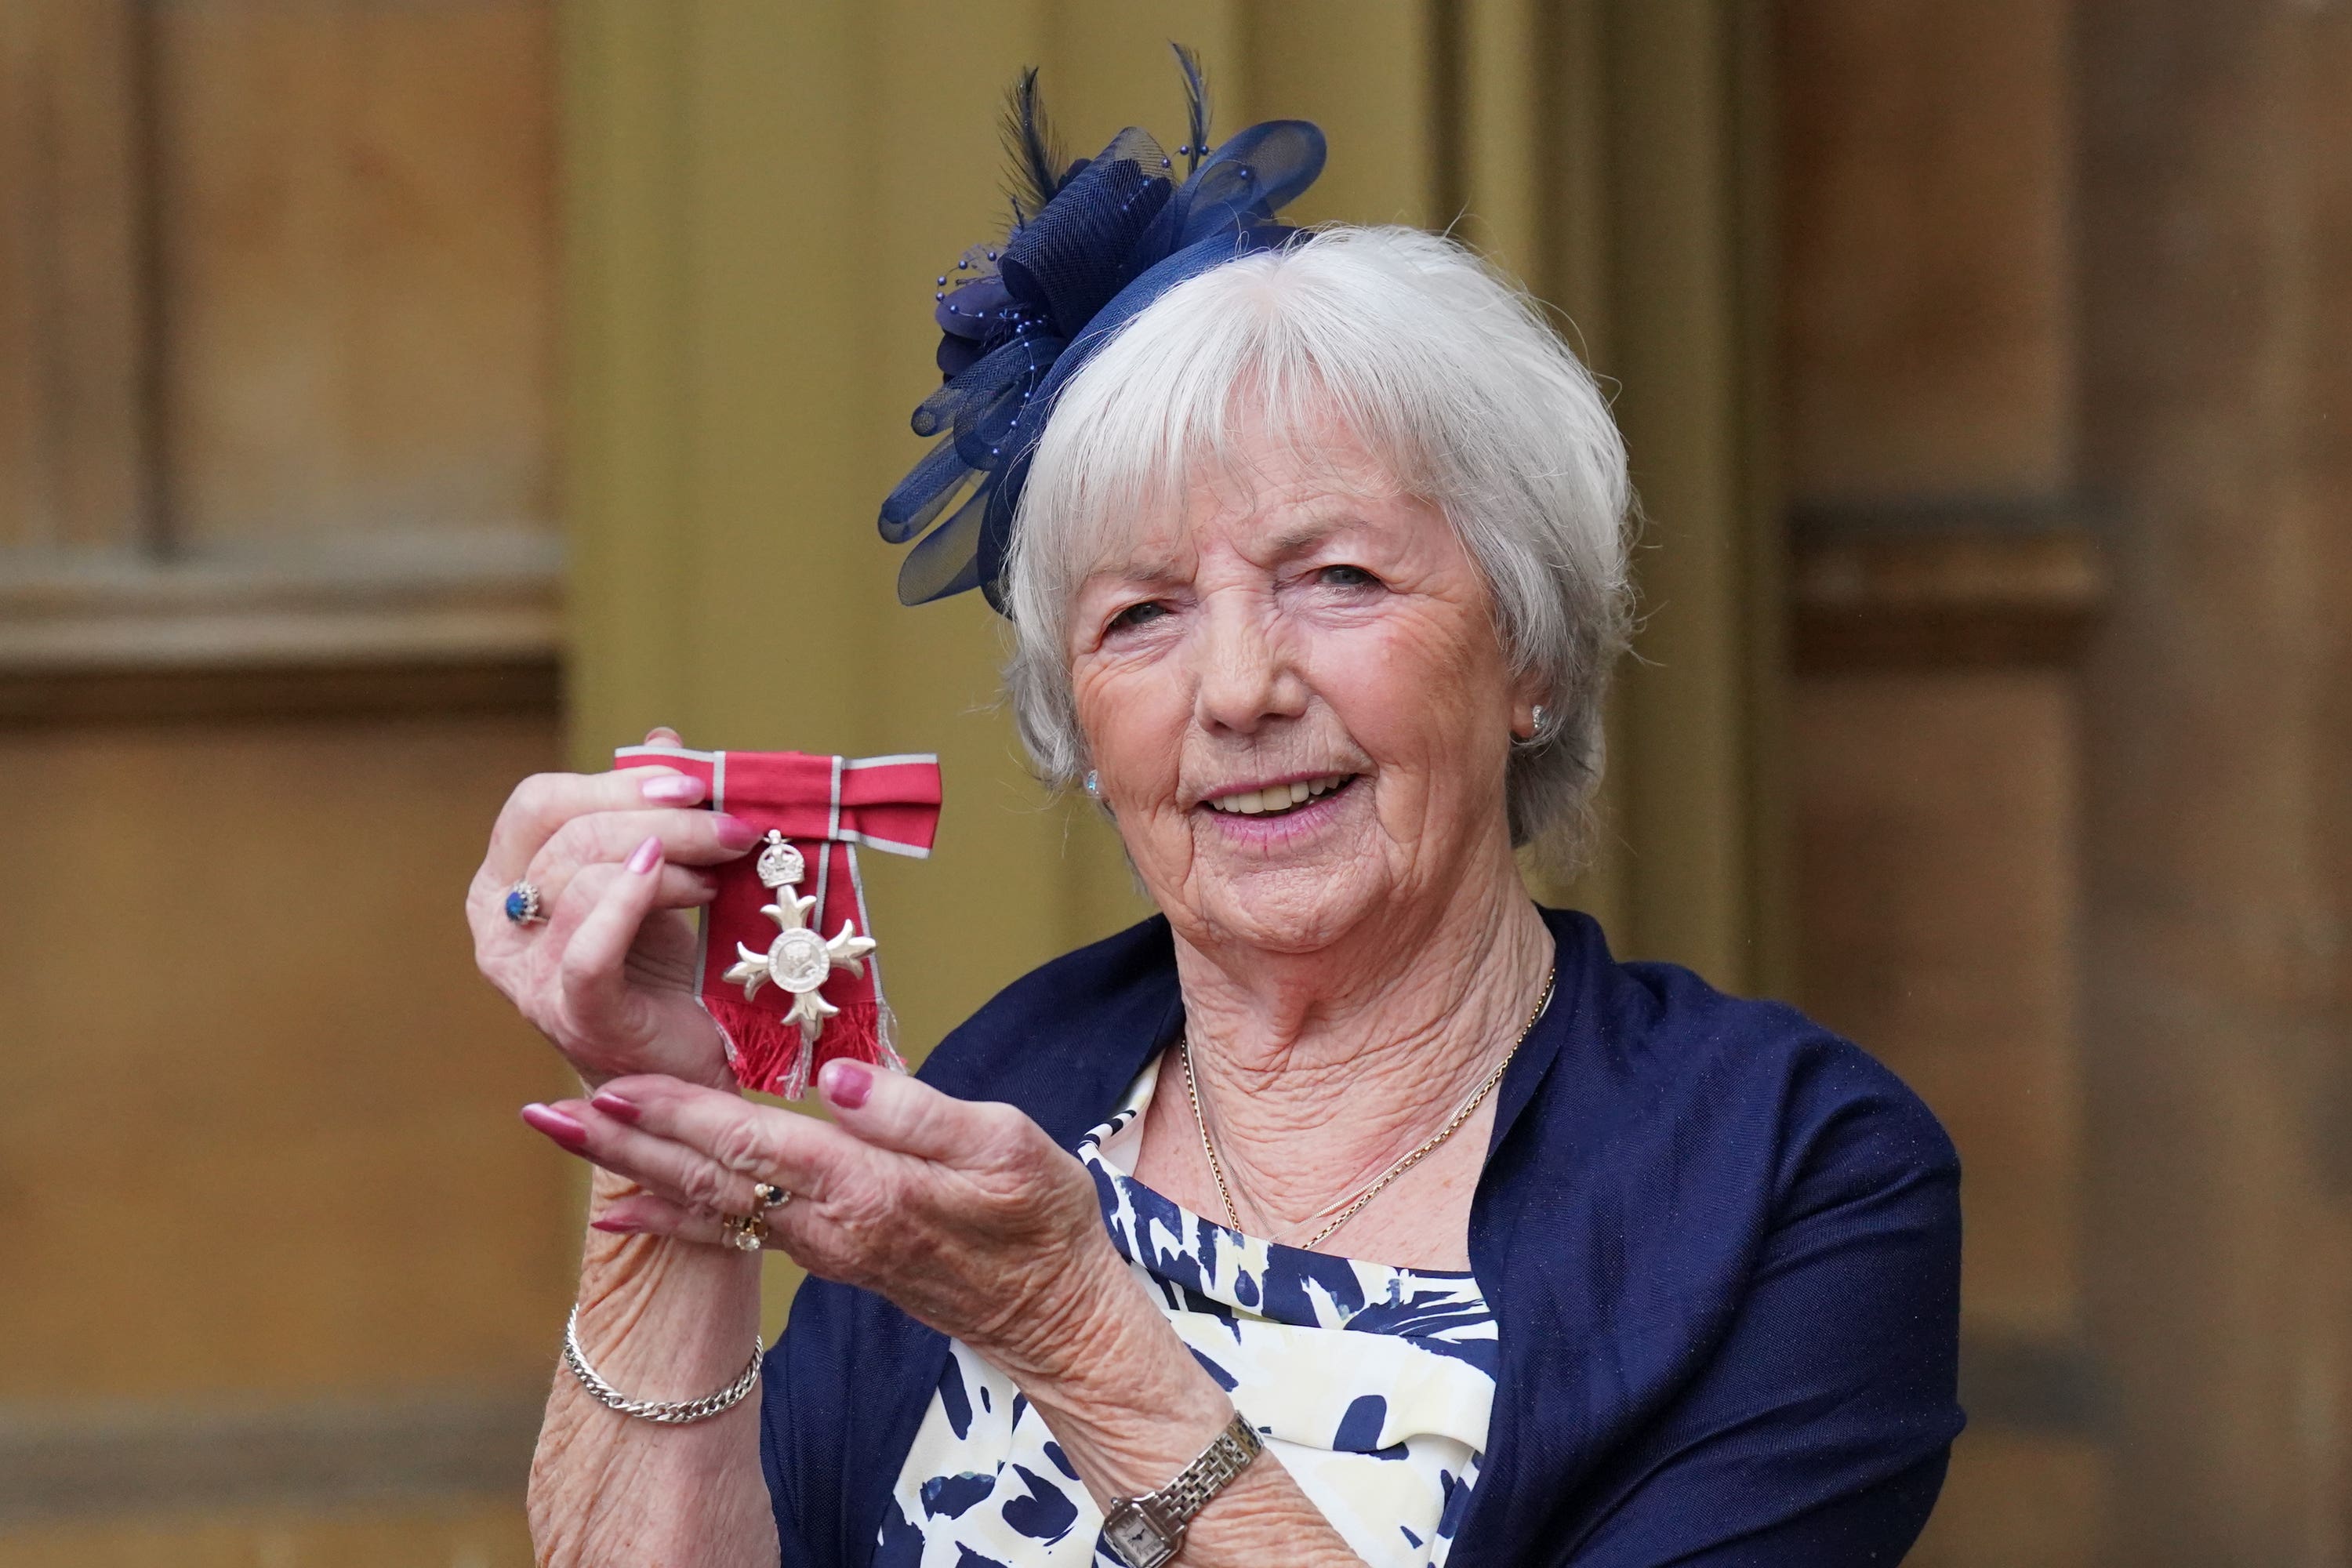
x,y
769,1055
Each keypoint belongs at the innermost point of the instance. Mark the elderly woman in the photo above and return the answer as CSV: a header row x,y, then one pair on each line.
x,y
1354,1209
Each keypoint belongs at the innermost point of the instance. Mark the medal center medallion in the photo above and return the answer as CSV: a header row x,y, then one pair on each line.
x,y
799,960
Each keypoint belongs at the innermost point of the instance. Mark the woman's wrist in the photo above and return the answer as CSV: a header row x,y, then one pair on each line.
x,y
719,1076
625,1251
1127,1400
659,1315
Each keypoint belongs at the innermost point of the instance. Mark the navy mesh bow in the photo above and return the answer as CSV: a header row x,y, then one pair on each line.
x,y
1089,249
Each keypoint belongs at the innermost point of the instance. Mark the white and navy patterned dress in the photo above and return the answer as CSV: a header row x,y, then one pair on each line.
x,y
1372,1385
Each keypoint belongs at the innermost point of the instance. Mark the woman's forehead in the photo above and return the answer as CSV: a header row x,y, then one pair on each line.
x,y
1271,523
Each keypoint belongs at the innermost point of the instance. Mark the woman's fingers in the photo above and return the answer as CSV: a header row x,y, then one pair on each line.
x,y
687,837
643,1214
544,802
743,1137
676,888
684,1178
766,1148
871,1107
893,1110
597,949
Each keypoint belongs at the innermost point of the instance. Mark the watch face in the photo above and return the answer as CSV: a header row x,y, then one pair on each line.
x,y
1136,1538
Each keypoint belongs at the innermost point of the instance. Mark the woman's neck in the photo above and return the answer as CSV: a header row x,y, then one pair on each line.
x,y
1318,1071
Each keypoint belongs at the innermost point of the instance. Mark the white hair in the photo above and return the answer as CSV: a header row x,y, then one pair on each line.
x,y
1442,369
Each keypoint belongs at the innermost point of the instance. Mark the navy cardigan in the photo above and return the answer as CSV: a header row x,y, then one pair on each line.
x,y
1723,1246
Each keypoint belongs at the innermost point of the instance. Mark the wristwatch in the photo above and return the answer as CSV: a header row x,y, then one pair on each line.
x,y
1146,1532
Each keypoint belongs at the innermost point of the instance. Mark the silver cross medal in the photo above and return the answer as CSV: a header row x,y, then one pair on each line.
x,y
799,960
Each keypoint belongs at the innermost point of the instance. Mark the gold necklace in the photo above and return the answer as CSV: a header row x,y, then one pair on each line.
x,y
1469,1108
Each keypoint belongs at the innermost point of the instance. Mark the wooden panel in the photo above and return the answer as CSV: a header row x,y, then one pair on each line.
x,y
1936,597
107,1458
74,463
1935,894
2217,223
524,684
1925,283
482,596
261,1130
2016,1500
357,203
282,274
1936,878
470,1535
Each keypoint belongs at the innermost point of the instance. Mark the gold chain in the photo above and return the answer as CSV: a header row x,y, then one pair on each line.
x,y
1469,1108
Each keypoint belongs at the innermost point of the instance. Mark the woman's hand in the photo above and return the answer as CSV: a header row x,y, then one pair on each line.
x,y
968,1217
609,975
964,1214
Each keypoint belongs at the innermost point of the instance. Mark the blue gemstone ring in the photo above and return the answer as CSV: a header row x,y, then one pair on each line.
x,y
522,905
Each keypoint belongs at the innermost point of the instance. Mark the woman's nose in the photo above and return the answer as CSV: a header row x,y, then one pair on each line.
x,y
1245,675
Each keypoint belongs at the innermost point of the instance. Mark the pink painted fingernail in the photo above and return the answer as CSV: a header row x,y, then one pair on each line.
x,y
848,1084
671,789
557,1126
734,833
613,1227
615,1106
646,857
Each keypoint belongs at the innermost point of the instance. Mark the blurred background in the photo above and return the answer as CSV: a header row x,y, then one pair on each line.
x,y
400,397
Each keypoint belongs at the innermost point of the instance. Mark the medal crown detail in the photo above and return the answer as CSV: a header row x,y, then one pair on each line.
x,y
780,864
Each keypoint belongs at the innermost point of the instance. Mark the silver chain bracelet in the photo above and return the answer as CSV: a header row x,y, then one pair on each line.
x,y
669,1412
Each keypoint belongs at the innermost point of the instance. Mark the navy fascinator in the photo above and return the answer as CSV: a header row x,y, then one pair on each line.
x,y
1090,247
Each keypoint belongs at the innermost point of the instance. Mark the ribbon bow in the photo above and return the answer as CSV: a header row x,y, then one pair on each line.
x,y
786,961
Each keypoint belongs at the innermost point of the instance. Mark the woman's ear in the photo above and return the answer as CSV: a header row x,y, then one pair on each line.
x,y
1529,711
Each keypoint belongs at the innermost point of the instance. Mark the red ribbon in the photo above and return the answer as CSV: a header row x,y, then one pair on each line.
x,y
825,806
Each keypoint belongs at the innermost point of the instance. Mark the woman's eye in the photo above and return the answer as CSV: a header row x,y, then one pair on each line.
x,y
1136,616
1346,578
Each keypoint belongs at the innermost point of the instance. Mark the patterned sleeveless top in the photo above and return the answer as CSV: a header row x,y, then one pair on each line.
x,y
1371,1384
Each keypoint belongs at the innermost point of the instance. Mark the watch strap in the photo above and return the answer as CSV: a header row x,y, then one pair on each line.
x,y
1172,1507
1207,1476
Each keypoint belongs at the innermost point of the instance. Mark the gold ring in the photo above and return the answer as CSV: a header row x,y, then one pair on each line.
x,y
746,1232
771,1196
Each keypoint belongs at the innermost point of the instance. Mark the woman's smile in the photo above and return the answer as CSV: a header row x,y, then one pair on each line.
x,y
1289,812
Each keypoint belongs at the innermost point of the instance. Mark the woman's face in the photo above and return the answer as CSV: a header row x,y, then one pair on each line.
x,y
1297,702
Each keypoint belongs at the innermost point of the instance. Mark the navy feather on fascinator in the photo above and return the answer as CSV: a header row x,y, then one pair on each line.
x,y
1089,248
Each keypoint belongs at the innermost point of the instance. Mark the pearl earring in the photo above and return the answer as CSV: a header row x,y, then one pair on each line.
x,y
1094,784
